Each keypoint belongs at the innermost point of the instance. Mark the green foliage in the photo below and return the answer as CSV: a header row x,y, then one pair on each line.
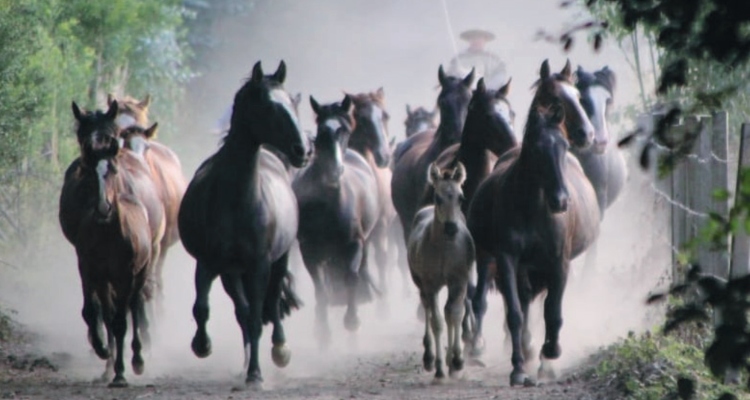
x,y
55,51
649,366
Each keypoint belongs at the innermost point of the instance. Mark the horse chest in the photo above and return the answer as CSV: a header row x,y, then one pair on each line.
x,y
323,220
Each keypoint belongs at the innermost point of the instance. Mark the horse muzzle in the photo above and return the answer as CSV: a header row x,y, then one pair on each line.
x,y
299,155
558,202
450,229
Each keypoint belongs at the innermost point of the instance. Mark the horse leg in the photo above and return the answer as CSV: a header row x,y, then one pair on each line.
x,y
356,258
380,247
256,285
454,314
479,301
436,322
204,278
119,329
313,264
399,241
136,310
92,314
508,284
280,353
525,297
428,359
235,289
553,319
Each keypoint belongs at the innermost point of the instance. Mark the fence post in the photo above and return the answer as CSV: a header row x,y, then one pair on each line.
x,y
719,178
740,263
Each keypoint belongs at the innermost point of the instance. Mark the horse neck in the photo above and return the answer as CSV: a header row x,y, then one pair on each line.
x,y
241,153
447,134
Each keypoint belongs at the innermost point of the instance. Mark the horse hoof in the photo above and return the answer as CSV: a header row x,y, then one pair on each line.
x,y
351,323
118,382
281,355
137,364
428,362
518,378
254,380
551,351
546,372
457,364
477,347
439,374
201,346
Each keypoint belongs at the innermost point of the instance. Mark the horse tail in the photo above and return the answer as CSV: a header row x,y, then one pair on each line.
x,y
288,299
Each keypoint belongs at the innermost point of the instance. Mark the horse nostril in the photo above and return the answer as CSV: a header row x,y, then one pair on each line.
x,y
298,150
450,228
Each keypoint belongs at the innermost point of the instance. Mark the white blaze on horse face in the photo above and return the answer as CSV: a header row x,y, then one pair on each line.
x,y
281,97
125,121
423,126
502,108
377,120
574,97
101,171
334,125
600,96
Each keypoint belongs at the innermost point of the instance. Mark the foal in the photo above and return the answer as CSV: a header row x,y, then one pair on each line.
x,y
441,253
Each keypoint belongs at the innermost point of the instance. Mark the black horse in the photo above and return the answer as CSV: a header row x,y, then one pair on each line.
x,y
339,207
534,214
239,218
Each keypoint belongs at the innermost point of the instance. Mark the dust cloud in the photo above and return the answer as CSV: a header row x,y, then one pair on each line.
x,y
360,45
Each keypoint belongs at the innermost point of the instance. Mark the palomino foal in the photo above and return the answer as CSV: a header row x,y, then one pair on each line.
x,y
441,253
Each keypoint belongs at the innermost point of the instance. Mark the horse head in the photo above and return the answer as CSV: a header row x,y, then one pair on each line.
x,y
448,196
560,88
597,91
264,113
136,137
453,100
131,111
545,144
493,115
371,133
97,132
335,123
419,120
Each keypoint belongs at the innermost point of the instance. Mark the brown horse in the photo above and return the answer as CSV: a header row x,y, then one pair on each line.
x,y
551,88
111,213
369,138
535,213
165,167
339,208
419,151
239,218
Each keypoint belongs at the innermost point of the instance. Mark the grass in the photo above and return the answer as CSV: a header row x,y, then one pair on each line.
x,y
649,367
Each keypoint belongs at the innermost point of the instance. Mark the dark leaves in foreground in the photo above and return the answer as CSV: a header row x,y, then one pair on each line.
x,y
730,350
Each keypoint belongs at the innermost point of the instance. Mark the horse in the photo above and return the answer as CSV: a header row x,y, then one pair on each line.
x,y
535,213
420,150
165,167
238,218
370,137
111,213
420,119
604,164
339,208
551,88
441,253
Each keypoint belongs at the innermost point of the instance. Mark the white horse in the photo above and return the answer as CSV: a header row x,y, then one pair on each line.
x,y
441,253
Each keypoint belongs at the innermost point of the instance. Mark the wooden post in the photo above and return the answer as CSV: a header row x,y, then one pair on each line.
x,y
719,178
740,263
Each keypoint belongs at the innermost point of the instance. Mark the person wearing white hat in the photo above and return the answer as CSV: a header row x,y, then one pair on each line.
x,y
486,63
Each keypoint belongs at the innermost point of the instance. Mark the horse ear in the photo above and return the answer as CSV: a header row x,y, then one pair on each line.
x,y
433,174
145,102
314,104
380,94
481,87
151,132
112,112
280,74
408,110
503,91
544,72
110,98
442,78
347,104
257,75
567,71
459,174
76,111
469,79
